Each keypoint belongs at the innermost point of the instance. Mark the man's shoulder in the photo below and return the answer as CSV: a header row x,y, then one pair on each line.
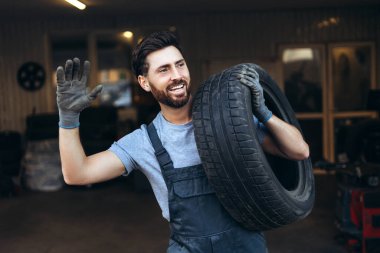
x,y
143,129
136,137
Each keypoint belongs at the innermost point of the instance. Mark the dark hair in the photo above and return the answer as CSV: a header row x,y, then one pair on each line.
x,y
149,44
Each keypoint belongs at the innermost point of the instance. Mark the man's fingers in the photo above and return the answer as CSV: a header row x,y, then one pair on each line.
x,y
251,72
76,69
60,75
86,71
69,70
95,92
247,78
249,82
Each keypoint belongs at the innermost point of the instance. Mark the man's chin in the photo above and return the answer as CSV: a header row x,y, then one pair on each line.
x,y
178,102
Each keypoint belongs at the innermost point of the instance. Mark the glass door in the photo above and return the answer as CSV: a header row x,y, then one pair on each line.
x,y
305,87
328,87
352,76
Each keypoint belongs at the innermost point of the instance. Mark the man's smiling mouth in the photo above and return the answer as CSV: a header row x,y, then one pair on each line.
x,y
176,87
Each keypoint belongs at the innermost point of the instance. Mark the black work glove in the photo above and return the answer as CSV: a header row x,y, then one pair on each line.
x,y
250,78
72,95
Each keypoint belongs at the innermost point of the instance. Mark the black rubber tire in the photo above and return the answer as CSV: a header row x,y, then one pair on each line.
x,y
42,126
260,192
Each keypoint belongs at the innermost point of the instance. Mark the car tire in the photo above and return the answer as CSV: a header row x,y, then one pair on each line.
x,y
261,192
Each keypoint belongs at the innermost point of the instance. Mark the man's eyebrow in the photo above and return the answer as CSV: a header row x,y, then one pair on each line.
x,y
168,65
162,66
179,61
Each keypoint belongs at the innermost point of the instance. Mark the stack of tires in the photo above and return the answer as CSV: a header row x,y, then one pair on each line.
x,y
10,161
41,162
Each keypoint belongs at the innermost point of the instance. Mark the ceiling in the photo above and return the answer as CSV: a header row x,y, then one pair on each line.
x,y
41,8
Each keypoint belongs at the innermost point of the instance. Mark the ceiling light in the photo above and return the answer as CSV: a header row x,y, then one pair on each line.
x,y
78,4
128,34
297,54
332,21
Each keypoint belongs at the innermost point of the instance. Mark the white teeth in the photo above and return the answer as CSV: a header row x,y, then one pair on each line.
x,y
177,87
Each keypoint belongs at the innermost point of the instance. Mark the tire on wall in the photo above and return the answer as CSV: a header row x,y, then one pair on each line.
x,y
261,192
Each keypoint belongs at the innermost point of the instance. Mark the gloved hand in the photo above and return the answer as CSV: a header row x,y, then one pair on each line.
x,y
250,78
72,95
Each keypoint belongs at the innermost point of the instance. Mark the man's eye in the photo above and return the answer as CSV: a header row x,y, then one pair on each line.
x,y
181,64
163,70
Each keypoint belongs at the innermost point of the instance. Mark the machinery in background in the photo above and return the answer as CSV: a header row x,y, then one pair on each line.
x,y
358,207
358,194
358,199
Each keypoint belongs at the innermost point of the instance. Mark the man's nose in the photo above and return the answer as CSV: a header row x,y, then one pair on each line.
x,y
175,74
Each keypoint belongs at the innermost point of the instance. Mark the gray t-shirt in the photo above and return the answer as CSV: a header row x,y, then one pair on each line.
x,y
136,152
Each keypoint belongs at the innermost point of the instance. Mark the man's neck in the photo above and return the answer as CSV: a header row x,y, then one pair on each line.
x,y
177,115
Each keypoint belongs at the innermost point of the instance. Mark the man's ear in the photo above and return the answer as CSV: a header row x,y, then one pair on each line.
x,y
144,83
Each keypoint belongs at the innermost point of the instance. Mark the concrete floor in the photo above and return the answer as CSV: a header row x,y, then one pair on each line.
x,y
113,217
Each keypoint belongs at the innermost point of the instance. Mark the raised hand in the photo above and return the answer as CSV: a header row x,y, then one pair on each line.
x,y
72,95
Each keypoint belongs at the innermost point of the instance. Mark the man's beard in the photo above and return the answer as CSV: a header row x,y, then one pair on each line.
x,y
165,99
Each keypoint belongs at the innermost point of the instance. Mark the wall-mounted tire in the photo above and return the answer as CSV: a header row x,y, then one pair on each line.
x,y
260,192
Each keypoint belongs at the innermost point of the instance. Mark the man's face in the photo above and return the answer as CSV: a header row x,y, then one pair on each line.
x,y
168,77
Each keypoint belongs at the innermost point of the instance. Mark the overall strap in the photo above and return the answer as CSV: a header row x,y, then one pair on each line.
x,y
162,155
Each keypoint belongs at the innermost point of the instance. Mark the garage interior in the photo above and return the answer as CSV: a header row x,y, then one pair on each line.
x,y
324,55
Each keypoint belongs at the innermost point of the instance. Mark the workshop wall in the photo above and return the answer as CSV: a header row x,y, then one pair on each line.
x,y
251,36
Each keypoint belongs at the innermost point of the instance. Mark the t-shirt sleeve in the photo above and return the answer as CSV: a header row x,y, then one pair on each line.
x,y
262,131
122,149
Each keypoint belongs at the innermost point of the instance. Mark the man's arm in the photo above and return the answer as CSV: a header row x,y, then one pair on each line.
x,y
72,98
79,169
284,140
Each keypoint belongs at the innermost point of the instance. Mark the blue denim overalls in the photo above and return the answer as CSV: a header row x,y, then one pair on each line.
x,y
198,222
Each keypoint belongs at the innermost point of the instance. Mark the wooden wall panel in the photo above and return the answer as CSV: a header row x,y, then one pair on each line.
x,y
18,45
205,36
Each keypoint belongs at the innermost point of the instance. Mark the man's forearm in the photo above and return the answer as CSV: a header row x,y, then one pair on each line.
x,y
288,139
72,155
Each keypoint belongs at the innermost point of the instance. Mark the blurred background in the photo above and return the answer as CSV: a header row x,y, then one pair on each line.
x,y
324,55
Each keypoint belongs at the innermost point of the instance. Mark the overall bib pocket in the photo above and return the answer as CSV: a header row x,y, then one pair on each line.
x,y
192,187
